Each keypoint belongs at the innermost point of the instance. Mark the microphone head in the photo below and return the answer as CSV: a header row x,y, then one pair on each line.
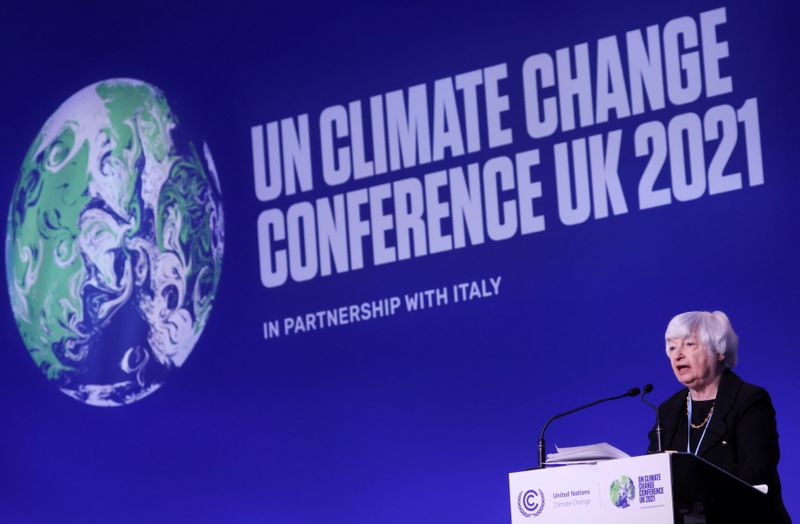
x,y
648,388
633,392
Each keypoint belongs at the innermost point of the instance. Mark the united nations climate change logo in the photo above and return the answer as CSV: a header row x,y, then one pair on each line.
x,y
623,492
530,502
114,244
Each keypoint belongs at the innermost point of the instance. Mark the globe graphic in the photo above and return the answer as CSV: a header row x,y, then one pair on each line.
x,y
114,244
623,492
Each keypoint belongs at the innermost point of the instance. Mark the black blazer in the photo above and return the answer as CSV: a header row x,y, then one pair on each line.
x,y
742,436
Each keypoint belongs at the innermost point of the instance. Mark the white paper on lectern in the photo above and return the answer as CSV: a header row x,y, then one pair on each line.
x,y
584,454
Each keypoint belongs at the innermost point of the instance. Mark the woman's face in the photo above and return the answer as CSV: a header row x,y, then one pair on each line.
x,y
694,365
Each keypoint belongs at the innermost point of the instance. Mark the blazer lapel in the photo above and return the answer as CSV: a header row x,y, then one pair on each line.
x,y
726,397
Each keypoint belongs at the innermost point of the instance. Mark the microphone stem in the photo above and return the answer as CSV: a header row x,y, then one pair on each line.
x,y
658,421
542,455
658,429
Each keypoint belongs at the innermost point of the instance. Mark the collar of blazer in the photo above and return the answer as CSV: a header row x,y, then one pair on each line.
x,y
672,411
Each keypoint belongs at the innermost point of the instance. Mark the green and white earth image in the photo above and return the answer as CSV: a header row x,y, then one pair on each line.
x,y
114,244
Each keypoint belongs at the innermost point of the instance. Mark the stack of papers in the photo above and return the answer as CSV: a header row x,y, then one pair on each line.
x,y
585,454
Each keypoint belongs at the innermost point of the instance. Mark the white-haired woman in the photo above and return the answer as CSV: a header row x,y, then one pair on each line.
x,y
718,416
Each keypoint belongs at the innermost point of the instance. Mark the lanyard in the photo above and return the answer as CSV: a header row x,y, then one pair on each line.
x,y
689,427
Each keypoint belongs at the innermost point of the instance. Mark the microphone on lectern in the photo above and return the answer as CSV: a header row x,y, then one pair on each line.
x,y
647,389
630,393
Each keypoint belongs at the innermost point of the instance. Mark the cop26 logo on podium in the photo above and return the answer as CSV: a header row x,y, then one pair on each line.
x,y
114,244
531,502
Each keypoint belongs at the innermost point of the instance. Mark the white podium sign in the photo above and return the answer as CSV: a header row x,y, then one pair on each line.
x,y
632,490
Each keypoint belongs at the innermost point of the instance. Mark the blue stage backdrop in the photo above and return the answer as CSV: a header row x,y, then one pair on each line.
x,y
298,263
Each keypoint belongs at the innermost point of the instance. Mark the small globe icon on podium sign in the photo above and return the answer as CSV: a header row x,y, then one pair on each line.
x,y
114,244
623,492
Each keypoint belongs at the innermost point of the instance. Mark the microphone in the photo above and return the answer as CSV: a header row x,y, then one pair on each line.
x,y
630,393
647,389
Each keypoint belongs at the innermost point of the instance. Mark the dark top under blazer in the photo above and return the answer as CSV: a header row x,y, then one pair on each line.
x,y
742,436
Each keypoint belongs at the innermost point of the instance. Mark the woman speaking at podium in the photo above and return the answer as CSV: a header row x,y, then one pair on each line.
x,y
720,418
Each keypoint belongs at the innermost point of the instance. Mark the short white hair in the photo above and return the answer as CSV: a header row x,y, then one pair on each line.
x,y
713,328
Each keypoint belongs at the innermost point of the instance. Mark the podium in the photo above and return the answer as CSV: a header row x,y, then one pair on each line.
x,y
664,488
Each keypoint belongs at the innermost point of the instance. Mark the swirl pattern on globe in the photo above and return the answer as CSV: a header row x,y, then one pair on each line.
x,y
114,244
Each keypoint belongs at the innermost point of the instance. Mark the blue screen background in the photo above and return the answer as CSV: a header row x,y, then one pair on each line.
x,y
417,417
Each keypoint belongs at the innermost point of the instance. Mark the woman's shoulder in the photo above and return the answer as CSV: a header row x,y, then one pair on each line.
x,y
743,395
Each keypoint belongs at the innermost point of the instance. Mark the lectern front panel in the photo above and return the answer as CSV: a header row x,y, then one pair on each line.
x,y
632,490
